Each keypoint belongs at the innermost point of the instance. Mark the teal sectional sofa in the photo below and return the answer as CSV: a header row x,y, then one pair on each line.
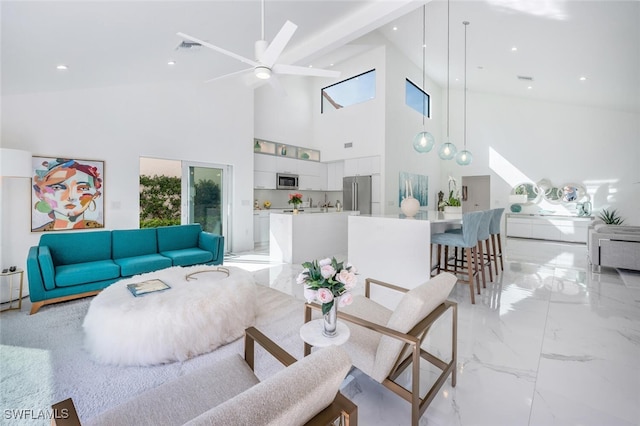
x,y
65,266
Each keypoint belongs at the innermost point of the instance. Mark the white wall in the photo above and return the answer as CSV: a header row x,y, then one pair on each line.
x,y
187,121
515,139
361,124
402,124
286,117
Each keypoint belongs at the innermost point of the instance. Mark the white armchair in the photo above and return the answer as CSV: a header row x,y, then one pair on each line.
x,y
383,343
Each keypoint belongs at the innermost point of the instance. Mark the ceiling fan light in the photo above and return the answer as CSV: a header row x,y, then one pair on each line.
x,y
263,73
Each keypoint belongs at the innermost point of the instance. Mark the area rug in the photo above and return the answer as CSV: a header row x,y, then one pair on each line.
x,y
43,361
630,278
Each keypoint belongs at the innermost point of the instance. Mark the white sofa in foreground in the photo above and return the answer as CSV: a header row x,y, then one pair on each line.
x,y
228,393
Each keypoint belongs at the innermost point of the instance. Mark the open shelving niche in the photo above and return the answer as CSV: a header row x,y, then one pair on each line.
x,y
261,146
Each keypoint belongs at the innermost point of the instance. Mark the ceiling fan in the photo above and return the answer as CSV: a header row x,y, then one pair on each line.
x,y
266,65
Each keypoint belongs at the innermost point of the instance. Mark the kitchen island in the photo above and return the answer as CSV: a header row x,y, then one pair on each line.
x,y
395,249
297,238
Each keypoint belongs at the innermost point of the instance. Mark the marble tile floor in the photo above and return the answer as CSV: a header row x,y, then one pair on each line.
x,y
547,343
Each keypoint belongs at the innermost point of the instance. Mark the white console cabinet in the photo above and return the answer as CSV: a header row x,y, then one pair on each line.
x,y
573,229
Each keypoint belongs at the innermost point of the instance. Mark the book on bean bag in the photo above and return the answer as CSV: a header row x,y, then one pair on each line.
x,y
145,287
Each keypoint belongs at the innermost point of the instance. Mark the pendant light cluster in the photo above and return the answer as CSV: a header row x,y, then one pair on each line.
x,y
423,141
464,157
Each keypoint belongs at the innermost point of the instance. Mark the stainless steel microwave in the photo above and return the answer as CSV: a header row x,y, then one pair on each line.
x,y
286,181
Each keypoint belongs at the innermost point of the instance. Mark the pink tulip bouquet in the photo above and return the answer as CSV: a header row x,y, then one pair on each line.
x,y
327,279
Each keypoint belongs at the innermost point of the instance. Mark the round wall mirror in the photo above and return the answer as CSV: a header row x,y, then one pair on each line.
x,y
553,194
573,193
528,189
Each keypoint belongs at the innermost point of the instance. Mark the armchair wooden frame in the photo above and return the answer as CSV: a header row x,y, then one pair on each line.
x,y
340,409
411,352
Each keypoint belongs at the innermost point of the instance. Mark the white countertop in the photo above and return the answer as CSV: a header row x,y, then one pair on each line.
x,y
430,215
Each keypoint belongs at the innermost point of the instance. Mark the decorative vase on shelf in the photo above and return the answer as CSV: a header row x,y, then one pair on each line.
x,y
331,320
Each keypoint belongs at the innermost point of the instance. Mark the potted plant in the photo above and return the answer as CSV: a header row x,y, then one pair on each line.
x,y
452,204
611,217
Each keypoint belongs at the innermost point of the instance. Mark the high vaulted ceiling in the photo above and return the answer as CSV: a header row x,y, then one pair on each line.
x,y
106,43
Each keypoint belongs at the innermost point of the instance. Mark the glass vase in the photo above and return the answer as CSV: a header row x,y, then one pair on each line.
x,y
331,320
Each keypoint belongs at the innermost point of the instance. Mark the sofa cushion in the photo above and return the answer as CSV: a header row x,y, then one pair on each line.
x,y
46,266
178,237
189,256
177,401
133,242
140,264
78,247
81,273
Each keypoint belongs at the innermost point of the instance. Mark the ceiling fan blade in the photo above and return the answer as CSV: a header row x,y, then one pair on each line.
x,y
278,44
219,49
229,75
296,70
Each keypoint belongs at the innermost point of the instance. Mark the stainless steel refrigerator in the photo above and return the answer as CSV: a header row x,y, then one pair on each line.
x,y
356,193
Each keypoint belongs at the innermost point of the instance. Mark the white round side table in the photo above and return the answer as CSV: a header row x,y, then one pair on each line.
x,y
311,334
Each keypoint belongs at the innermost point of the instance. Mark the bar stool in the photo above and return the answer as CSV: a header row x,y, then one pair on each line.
x,y
467,239
494,230
483,253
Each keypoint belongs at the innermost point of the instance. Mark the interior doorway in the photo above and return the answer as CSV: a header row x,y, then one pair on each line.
x,y
476,193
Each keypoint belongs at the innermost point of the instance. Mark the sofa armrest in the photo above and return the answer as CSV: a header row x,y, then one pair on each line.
x,y
46,267
213,243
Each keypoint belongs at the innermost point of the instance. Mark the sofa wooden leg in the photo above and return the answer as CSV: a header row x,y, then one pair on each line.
x,y
35,307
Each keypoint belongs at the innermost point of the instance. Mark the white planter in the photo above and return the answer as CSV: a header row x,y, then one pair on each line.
x,y
451,209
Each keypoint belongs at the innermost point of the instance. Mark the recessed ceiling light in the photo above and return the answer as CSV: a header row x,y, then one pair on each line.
x,y
583,78
310,66
62,67
171,63
330,65
514,49
395,28
529,87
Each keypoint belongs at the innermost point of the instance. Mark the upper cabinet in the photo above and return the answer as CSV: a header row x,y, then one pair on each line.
x,y
362,166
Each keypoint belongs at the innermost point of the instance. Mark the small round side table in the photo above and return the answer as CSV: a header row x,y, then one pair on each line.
x,y
11,274
311,335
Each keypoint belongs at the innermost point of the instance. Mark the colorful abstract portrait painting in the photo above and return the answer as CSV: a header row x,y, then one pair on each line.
x,y
67,194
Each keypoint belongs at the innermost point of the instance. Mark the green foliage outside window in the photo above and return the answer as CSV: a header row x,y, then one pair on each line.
x,y
159,201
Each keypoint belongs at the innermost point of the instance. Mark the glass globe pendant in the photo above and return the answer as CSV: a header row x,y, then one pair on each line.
x,y
447,151
464,158
423,142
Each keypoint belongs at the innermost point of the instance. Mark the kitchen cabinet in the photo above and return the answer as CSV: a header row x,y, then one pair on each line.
x,y
260,227
335,173
362,166
264,180
287,165
264,163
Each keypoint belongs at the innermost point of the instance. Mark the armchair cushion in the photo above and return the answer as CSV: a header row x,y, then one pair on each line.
x,y
414,306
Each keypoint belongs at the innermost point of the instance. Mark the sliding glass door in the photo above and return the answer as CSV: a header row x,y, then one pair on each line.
x,y
205,189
